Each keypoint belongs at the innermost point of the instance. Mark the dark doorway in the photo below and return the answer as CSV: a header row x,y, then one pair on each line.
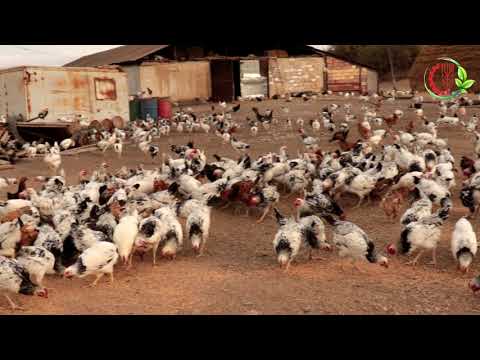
x,y
264,73
223,83
236,78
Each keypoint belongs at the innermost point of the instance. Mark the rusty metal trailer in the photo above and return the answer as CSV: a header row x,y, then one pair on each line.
x,y
69,94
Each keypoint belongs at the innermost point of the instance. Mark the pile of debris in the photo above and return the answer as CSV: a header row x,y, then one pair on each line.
x,y
20,138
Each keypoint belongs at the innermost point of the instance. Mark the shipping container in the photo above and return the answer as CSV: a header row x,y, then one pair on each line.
x,y
67,93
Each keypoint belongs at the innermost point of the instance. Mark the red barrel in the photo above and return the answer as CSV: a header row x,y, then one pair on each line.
x,y
164,108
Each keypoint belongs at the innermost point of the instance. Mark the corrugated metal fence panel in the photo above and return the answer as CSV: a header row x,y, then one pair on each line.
x,y
133,78
69,92
12,94
189,80
251,81
248,67
179,81
106,109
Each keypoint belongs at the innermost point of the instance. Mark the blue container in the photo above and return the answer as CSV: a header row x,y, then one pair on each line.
x,y
149,106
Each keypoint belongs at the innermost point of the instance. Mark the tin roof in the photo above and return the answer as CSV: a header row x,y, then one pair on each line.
x,y
59,68
328,53
121,54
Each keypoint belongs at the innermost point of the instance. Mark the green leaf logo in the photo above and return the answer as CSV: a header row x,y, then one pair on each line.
x,y
462,82
462,74
467,84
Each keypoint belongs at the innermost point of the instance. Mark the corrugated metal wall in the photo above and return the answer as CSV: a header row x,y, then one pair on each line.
x,y
68,92
133,77
12,93
179,81
251,81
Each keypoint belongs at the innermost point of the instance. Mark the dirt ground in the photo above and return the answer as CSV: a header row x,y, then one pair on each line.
x,y
239,273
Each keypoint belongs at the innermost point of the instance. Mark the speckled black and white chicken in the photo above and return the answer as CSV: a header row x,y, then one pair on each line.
x,y
37,261
354,243
97,260
424,234
14,278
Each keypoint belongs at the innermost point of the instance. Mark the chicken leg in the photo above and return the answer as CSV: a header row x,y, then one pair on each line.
x,y
434,257
111,278
13,306
99,276
130,261
414,261
355,267
267,209
359,202
154,254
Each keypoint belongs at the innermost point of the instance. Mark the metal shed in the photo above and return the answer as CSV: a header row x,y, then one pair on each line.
x,y
67,93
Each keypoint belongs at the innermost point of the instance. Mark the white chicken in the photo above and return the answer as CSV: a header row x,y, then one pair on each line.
x,y
125,234
67,144
53,159
423,234
97,260
463,244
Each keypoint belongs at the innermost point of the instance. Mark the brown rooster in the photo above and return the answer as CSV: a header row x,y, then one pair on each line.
x,y
341,138
364,130
392,202
468,166
391,120
410,126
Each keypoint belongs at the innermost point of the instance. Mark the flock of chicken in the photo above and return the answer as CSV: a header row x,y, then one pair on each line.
x,y
85,229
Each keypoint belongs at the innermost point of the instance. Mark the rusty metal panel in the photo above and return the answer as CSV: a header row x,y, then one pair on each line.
x,y
223,87
156,78
64,93
179,81
12,93
70,92
107,108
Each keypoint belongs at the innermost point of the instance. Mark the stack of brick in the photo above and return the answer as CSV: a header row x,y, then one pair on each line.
x,y
295,75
